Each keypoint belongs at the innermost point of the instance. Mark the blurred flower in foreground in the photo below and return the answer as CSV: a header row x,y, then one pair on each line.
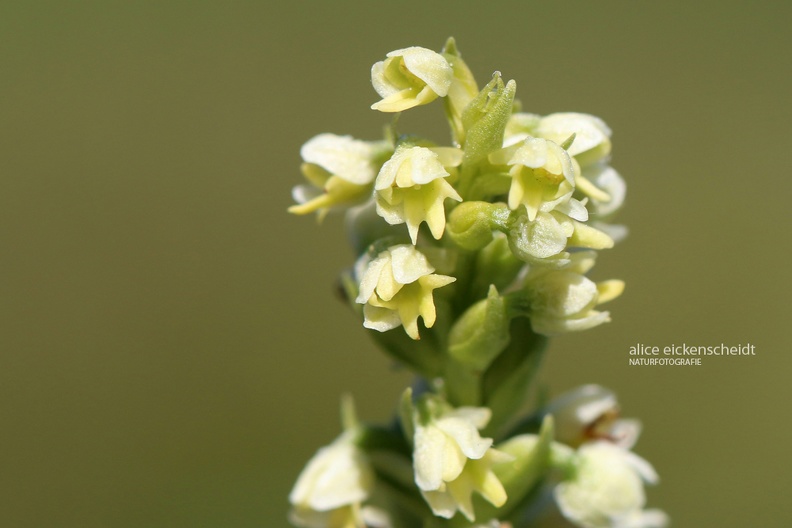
x,y
590,413
331,488
606,489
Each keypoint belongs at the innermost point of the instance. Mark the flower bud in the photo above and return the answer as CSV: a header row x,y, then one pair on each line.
x,y
471,224
481,333
485,119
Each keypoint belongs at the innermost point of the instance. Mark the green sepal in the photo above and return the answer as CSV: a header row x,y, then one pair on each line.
x,y
481,333
568,141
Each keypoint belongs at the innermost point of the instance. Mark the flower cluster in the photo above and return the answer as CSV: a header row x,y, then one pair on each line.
x,y
469,256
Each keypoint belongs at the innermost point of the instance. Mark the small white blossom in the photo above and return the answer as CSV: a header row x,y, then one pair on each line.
x,y
452,461
606,489
330,489
410,77
340,170
543,175
563,300
396,288
411,188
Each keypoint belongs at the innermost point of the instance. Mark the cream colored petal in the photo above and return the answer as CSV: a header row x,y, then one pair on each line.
x,y
609,290
398,102
391,212
461,490
492,490
466,435
551,326
370,278
336,476
343,156
408,264
429,66
479,417
387,286
425,167
441,502
643,468
380,319
408,308
590,131
589,237
607,179
429,456
389,170
449,156
574,209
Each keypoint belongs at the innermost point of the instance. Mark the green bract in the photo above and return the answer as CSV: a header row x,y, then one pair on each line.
x,y
478,249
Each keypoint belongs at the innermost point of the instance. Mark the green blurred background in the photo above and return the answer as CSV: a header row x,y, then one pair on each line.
x,y
171,349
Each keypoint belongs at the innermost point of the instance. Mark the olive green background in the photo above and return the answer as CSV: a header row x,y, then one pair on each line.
x,y
171,350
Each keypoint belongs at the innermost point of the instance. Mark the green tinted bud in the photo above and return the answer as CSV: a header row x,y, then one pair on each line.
x,y
470,224
481,333
484,121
